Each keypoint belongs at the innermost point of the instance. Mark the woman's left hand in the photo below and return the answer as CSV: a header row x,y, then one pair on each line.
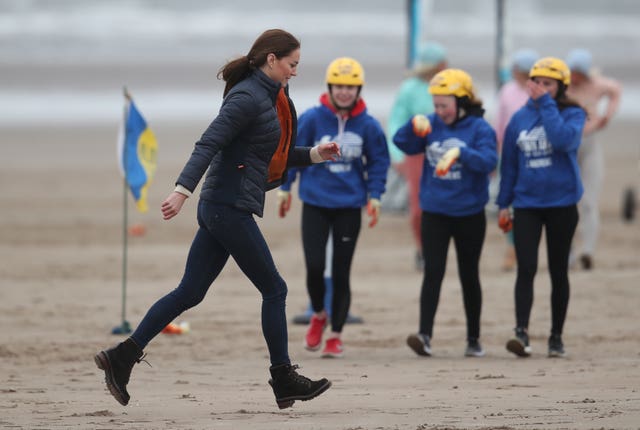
x,y
329,151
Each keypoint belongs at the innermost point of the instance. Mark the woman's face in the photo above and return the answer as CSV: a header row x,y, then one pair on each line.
x,y
344,96
283,69
446,108
549,85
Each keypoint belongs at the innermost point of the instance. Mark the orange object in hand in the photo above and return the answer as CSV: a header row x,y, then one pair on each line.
x,y
373,210
447,160
421,125
504,222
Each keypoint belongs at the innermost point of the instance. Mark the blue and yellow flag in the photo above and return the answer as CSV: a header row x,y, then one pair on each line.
x,y
137,154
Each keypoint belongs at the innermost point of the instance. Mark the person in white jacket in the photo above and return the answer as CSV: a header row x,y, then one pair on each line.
x,y
591,90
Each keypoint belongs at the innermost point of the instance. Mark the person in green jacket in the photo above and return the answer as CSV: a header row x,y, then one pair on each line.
x,y
411,99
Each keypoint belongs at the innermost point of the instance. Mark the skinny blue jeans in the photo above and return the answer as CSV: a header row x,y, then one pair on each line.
x,y
225,231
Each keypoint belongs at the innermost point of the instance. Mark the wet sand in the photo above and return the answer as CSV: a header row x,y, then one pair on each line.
x,y
60,270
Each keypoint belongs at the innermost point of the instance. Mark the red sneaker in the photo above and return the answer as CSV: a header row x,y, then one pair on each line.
x,y
333,348
314,334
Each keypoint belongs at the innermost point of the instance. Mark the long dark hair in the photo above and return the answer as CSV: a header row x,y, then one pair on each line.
x,y
275,41
472,106
562,99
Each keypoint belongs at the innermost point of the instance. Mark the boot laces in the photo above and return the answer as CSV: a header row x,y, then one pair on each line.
x,y
138,360
299,378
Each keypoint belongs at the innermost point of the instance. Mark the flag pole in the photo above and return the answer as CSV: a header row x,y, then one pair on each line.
x,y
413,35
124,327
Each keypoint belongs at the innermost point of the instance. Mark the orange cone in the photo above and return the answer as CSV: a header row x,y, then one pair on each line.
x,y
137,230
173,328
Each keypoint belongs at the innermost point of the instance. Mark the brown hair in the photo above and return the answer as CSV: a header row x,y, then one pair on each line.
x,y
471,105
562,99
278,42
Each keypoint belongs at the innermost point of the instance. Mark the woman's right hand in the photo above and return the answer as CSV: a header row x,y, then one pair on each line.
x,y
329,151
172,205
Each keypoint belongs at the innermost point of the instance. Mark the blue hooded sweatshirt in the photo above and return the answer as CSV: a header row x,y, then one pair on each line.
x,y
361,171
464,190
539,167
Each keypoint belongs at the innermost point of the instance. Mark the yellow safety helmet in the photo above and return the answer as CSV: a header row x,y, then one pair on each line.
x,y
551,67
345,71
452,82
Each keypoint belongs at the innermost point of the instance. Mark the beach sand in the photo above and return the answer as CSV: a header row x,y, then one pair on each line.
x,y
61,267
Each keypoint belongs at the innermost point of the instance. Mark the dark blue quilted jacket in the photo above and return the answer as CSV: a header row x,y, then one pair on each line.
x,y
238,146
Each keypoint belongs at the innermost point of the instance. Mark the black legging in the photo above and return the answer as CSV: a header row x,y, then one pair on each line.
x,y
560,225
345,225
468,234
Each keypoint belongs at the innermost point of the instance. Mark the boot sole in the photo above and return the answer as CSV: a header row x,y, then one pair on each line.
x,y
474,353
102,361
287,402
311,348
557,354
516,347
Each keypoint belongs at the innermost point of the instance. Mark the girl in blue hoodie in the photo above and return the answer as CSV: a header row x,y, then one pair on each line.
x,y
460,152
541,181
335,193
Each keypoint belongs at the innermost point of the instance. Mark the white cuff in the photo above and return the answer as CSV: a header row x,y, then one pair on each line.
x,y
315,155
182,190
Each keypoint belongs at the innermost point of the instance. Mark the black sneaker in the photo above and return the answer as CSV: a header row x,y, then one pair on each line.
x,y
556,347
289,386
420,343
586,262
474,349
519,345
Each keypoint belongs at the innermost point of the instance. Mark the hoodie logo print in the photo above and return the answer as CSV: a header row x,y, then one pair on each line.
x,y
536,148
436,150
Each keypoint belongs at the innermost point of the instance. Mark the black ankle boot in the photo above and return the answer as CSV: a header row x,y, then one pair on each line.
x,y
117,363
288,386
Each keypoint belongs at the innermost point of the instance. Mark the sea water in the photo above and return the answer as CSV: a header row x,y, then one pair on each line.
x,y
66,61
